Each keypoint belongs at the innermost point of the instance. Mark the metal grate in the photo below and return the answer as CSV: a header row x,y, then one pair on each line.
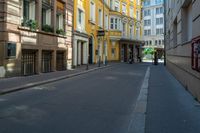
x,y
28,62
60,61
46,61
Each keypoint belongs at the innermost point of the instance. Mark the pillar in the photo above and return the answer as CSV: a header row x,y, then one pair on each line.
x,y
39,13
54,60
53,18
75,53
79,52
39,61
85,53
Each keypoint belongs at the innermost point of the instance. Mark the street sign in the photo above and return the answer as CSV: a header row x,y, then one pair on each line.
x,y
100,33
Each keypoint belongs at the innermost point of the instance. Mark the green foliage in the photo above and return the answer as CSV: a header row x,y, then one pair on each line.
x,y
32,24
150,51
60,32
47,28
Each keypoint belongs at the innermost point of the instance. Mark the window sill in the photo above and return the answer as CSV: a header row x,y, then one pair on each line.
x,y
41,32
27,28
114,30
10,57
100,27
92,22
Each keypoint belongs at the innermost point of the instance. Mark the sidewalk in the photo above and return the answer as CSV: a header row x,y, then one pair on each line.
x,y
18,83
170,108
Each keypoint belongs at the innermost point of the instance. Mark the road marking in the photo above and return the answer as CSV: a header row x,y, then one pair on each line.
x,y
137,123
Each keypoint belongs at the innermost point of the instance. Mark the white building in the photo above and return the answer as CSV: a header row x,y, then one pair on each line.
x,y
153,20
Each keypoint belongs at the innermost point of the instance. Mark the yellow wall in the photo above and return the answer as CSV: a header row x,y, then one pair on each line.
x,y
91,29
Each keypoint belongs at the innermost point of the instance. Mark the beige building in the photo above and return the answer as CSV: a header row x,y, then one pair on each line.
x,y
182,39
35,36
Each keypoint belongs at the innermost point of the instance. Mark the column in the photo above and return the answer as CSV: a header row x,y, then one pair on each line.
x,y
39,62
79,52
134,54
39,13
75,53
53,61
85,53
104,52
53,18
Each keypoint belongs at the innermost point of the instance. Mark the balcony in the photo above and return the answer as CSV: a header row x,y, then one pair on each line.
x,y
115,34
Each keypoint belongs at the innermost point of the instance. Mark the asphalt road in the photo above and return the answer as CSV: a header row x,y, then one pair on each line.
x,y
98,102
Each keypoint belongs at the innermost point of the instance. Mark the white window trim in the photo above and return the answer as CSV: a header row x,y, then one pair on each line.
x,y
92,11
81,27
100,18
118,23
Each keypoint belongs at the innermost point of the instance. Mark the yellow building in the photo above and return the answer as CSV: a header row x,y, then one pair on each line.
x,y
106,30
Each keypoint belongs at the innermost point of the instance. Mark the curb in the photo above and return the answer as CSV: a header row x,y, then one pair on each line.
x,y
14,89
137,123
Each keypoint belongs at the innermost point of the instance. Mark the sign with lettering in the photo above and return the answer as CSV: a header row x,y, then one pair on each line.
x,y
196,55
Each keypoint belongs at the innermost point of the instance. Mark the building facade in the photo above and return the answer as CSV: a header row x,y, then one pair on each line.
x,y
153,20
182,39
106,30
35,36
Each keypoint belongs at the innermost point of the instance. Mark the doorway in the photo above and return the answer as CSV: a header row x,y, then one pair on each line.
x,y
91,50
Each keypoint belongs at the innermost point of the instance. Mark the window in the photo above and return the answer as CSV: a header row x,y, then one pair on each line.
x,y
28,10
111,4
147,32
60,16
147,2
159,1
111,23
106,1
81,20
115,23
11,50
124,29
92,11
131,31
59,19
124,8
138,2
159,21
159,42
113,51
46,13
79,16
137,33
187,23
131,11
147,22
117,4
156,42
159,10
106,21
137,15
159,31
147,12
150,42
175,32
100,18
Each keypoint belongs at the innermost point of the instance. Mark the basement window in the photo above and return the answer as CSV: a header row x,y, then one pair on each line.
x,y
11,50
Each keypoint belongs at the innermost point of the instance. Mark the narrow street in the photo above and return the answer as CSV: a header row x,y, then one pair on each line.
x,y
98,102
